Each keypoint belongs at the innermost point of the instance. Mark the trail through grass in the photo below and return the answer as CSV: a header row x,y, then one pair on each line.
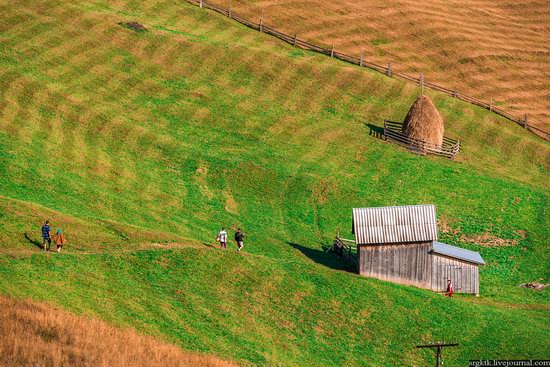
x,y
151,141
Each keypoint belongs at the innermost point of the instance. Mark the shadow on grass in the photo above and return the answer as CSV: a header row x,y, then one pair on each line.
x,y
33,242
217,246
328,259
376,131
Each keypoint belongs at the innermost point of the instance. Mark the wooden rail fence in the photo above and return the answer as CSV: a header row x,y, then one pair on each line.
x,y
392,131
345,248
384,69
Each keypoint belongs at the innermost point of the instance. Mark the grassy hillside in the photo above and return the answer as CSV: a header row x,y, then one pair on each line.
x,y
484,48
34,334
141,145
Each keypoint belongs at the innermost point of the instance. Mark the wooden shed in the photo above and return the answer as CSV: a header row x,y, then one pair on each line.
x,y
399,244
455,263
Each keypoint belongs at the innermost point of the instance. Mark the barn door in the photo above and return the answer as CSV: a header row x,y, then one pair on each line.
x,y
454,272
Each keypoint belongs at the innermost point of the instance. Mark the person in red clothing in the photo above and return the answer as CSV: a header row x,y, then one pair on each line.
x,y
59,240
449,291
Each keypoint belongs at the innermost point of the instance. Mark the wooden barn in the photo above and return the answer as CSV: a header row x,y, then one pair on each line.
x,y
399,244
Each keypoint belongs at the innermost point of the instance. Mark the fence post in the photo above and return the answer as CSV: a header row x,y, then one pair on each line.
x,y
229,13
361,59
455,92
200,3
294,40
421,82
525,123
491,105
262,22
332,51
390,73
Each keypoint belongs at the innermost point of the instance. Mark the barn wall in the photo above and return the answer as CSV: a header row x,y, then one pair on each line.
x,y
407,263
464,275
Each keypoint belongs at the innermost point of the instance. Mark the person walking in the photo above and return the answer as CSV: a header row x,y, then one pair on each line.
x,y
59,240
239,238
222,238
46,235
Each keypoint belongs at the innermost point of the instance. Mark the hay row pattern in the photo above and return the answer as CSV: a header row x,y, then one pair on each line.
x,y
387,70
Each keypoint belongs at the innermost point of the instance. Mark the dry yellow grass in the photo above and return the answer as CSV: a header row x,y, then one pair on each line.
x,y
34,334
487,49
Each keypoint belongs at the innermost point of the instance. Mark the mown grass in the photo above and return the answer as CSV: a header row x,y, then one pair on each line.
x,y
169,134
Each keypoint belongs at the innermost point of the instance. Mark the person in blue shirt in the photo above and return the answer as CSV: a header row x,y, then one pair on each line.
x,y
46,235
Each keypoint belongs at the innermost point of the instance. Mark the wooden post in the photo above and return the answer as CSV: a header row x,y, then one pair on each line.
x,y
455,92
421,82
525,123
262,22
390,73
229,13
438,356
491,105
438,350
200,3
332,51
361,59
294,40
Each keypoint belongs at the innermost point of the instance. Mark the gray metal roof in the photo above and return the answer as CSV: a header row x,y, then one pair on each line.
x,y
394,224
457,253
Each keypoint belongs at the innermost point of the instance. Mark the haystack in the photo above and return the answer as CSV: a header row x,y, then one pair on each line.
x,y
423,122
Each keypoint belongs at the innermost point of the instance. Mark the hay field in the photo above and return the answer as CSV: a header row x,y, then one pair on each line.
x,y
134,142
37,334
484,48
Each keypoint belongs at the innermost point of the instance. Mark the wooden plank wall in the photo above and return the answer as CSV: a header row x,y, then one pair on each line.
x,y
412,264
408,264
464,275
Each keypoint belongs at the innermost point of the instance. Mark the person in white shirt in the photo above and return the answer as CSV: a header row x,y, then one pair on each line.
x,y
222,238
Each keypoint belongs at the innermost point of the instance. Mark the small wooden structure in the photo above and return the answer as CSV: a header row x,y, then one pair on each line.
x,y
422,131
455,263
393,131
399,244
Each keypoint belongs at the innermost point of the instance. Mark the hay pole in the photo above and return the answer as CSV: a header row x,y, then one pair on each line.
x,y
229,12
389,73
294,40
361,59
421,82
201,3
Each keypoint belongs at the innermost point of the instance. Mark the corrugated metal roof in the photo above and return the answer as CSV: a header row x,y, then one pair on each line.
x,y
394,224
457,252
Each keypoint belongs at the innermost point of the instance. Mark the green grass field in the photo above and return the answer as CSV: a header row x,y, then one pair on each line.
x,y
141,145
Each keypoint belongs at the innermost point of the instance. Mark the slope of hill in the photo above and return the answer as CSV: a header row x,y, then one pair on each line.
x,y
35,334
129,140
486,49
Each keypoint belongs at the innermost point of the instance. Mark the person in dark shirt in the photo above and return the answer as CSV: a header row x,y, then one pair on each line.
x,y
239,237
46,235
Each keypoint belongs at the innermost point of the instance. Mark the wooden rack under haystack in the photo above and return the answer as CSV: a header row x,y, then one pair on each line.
x,y
422,131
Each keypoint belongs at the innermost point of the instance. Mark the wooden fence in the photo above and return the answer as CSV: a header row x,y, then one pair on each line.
x,y
392,131
385,69
345,248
